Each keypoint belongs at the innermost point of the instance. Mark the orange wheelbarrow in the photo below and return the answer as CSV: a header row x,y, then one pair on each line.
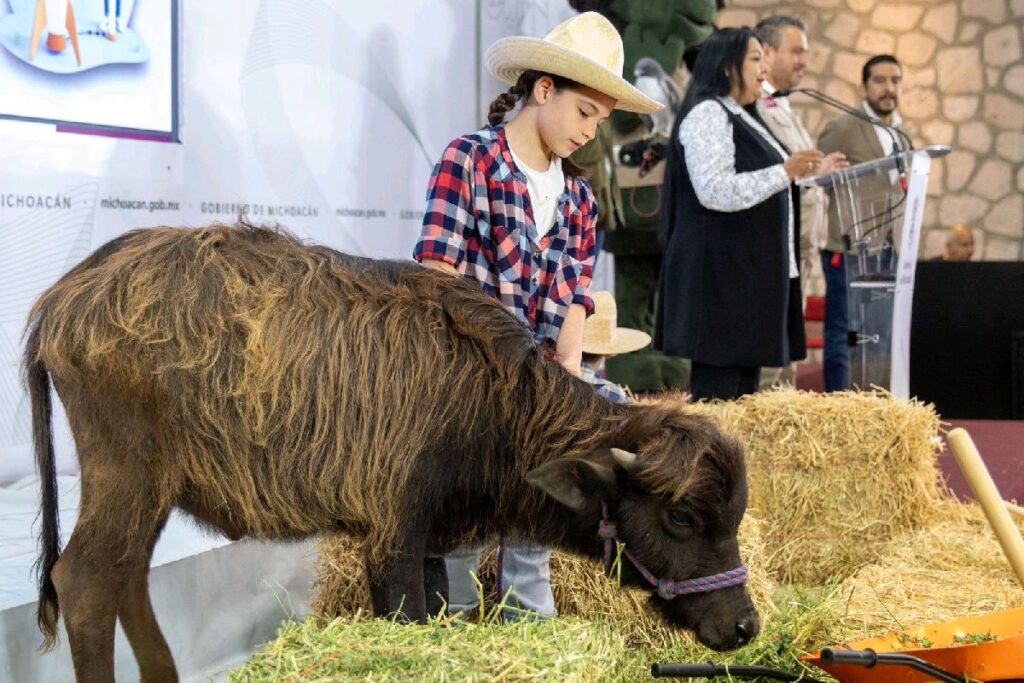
x,y
985,648
989,648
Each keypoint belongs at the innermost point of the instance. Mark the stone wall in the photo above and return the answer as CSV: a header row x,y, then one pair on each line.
x,y
963,87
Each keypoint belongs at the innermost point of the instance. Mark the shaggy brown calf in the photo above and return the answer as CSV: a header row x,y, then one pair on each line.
x,y
276,390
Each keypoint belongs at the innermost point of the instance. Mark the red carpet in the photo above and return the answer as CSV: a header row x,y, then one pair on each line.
x,y
1000,442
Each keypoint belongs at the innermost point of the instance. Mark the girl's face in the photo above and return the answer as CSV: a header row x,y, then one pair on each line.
x,y
753,71
568,118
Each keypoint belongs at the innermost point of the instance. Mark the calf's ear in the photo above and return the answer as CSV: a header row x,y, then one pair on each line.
x,y
573,482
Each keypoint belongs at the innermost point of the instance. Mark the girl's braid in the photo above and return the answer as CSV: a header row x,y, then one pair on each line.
x,y
506,102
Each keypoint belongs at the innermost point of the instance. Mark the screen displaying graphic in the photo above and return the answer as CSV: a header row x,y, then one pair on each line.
x,y
97,64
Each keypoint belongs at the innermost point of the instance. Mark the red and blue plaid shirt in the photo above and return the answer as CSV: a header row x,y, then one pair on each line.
x,y
479,219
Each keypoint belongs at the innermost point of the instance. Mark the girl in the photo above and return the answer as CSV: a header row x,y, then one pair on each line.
x,y
506,210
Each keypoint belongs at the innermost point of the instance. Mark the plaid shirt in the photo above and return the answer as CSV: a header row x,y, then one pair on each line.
x,y
610,390
479,219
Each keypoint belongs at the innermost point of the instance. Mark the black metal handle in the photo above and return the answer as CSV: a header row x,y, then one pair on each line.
x,y
866,658
712,670
869,658
707,670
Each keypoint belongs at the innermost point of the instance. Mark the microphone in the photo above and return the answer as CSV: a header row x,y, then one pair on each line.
x,y
842,106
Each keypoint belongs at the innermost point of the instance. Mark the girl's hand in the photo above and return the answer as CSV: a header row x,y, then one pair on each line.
x,y
443,266
832,162
569,345
573,365
805,163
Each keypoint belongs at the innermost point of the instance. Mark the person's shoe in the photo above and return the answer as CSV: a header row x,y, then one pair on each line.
x,y
511,615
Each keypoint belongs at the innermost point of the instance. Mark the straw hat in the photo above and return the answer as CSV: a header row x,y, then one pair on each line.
x,y
600,334
586,49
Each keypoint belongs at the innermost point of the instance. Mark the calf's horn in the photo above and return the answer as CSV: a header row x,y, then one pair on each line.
x,y
625,459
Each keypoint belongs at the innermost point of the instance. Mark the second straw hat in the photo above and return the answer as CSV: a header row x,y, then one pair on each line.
x,y
601,334
586,49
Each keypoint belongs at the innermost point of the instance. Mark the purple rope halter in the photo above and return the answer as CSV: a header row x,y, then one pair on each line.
x,y
666,589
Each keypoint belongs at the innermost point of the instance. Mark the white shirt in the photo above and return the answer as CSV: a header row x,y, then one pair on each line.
x,y
770,89
544,187
706,136
813,202
883,135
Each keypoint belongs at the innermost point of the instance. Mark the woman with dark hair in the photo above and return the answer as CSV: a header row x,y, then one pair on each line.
x,y
730,286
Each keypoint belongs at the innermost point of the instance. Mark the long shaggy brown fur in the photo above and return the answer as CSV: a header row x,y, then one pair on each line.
x,y
293,389
268,360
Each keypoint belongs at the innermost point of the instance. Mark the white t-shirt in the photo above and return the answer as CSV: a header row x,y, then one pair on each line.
x,y
545,187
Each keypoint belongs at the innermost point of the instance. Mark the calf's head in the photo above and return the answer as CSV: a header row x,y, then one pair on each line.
x,y
675,501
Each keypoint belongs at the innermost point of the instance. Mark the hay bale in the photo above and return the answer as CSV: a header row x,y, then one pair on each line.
x,y
341,588
833,476
951,568
579,585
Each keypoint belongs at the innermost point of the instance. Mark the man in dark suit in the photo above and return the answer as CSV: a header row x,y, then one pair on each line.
x,y
881,86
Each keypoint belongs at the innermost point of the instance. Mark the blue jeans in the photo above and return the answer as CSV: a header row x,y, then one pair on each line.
x,y
836,360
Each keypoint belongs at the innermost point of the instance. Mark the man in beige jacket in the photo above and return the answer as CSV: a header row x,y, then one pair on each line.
x,y
784,41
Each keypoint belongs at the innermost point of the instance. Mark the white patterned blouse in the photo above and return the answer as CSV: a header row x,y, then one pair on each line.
x,y
706,136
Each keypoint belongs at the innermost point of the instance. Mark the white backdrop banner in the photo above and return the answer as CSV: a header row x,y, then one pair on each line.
x,y
325,116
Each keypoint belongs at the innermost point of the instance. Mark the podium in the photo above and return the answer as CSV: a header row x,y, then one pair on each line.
x,y
880,206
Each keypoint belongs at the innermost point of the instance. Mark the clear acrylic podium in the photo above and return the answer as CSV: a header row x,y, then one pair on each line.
x,y
880,207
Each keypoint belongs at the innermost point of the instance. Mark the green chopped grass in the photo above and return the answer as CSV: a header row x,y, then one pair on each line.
x,y
366,649
973,638
361,648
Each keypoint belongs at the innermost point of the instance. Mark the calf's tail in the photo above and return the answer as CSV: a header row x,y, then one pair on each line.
x,y
38,380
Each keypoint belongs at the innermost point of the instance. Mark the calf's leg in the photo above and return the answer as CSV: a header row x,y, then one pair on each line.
x,y
136,613
435,585
397,581
396,588
88,590
109,546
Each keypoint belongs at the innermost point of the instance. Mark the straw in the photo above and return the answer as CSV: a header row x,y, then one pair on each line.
x,y
833,476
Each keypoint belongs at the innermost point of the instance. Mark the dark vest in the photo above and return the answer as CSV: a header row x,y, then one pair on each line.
x,y
724,297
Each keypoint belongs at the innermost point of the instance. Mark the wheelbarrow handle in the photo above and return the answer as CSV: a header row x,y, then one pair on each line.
x,y
866,658
869,658
704,670
712,670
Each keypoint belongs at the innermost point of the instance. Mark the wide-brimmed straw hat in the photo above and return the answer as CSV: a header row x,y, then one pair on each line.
x,y
601,334
586,49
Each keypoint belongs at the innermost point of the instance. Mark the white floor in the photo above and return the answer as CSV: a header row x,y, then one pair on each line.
x,y
216,600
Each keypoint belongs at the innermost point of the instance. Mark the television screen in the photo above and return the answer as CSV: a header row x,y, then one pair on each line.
x,y
92,65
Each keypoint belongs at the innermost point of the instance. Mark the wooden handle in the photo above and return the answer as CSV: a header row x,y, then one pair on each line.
x,y
977,475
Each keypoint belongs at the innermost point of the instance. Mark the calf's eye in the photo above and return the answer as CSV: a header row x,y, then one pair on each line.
x,y
678,518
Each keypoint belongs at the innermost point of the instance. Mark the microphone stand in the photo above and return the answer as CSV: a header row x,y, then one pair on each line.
x,y
842,106
857,113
